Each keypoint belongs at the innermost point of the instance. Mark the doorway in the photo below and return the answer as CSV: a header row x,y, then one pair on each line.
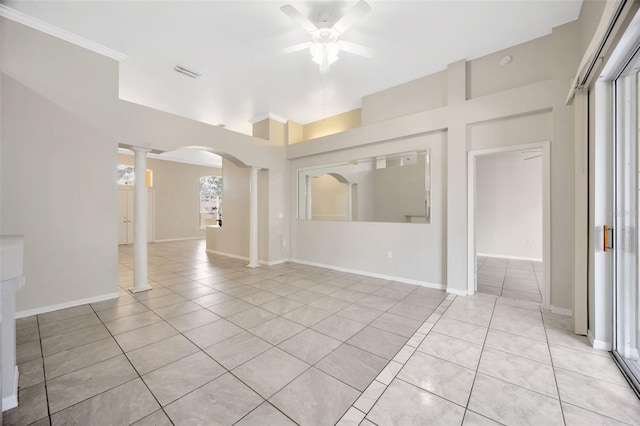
x,y
509,222
126,218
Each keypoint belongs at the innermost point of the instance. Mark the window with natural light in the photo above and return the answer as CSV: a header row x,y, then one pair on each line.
x,y
126,175
210,201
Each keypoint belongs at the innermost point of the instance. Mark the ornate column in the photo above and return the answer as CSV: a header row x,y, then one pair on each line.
x,y
140,275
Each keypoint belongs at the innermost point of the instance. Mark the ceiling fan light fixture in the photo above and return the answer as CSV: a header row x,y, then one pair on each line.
x,y
325,48
324,53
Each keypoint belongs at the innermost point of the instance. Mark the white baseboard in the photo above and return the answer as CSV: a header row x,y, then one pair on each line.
x,y
11,401
502,256
457,292
168,240
598,344
561,311
370,274
231,255
273,262
71,304
236,256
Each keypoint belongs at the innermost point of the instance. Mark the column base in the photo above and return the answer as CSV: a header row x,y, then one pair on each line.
x,y
253,265
134,290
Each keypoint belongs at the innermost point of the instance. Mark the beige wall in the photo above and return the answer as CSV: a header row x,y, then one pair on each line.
x,y
329,199
271,130
59,106
233,237
509,205
472,104
422,94
295,132
417,254
399,191
77,80
176,193
360,175
589,18
61,103
58,190
487,106
331,125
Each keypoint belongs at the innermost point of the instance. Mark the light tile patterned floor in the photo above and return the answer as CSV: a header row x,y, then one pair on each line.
x,y
217,343
516,279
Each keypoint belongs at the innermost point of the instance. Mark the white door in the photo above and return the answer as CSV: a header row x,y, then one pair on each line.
x,y
125,218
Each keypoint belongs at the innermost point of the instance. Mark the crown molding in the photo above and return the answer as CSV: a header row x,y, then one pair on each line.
x,y
260,117
52,30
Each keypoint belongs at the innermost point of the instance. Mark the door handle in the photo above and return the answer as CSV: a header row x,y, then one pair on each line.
x,y
608,240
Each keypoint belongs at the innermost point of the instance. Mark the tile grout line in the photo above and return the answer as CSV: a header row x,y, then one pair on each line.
x,y
187,299
137,372
44,371
553,369
475,376
403,364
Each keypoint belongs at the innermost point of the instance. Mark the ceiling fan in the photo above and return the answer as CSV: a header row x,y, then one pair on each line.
x,y
325,45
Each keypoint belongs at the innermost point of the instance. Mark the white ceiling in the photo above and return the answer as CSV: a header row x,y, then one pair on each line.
x,y
237,47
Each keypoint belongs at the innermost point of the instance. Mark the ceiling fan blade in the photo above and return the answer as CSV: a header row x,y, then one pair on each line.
x,y
357,49
293,13
296,48
358,11
531,158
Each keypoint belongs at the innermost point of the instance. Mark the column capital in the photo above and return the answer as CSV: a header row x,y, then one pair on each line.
x,y
140,149
254,168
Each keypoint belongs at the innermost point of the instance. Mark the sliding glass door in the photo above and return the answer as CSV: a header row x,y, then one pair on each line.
x,y
627,295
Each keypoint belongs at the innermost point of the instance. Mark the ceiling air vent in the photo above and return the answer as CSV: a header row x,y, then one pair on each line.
x,y
187,71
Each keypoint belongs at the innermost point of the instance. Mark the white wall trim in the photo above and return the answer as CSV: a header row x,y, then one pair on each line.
x,y
457,292
546,213
370,274
561,311
503,256
231,255
71,304
168,240
11,401
235,256
54,31
599,344
273,262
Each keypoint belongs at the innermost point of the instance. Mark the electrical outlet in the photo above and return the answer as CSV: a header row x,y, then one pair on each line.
x,y
389,254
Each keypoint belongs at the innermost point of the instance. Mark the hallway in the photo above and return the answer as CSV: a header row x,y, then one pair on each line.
x,y
516,279
217,343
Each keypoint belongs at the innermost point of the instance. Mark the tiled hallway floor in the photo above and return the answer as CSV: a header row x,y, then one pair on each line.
x,y
217,343
516,279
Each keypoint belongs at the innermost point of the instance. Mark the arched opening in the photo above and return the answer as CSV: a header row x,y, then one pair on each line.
x,y
332,197
176,209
